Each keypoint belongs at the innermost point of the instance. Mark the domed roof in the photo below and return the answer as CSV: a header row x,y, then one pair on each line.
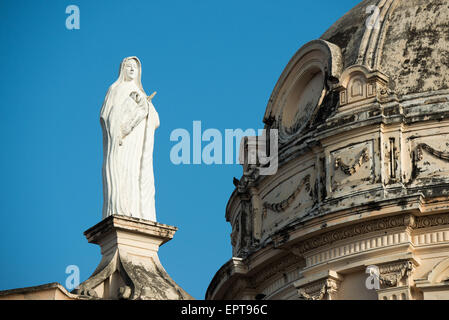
x,y
361,122
382,65
410,43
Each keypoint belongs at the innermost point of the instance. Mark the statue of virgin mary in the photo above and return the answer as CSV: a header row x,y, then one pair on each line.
x,y
129,120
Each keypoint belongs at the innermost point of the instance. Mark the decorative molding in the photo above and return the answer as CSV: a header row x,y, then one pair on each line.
x,y
350,170
431,221
372,42
431,237
315,291
249,178
355,230
352,167
362,245
403,236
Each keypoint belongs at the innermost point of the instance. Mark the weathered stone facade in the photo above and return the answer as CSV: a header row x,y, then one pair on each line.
x,y
129,269
363,180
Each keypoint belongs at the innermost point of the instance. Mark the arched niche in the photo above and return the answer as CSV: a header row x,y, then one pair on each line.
x,y
301,87
302,97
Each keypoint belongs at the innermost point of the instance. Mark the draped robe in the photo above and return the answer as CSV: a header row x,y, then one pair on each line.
x,y
128,140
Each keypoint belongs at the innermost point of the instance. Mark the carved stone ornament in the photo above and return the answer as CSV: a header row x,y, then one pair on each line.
x,y
248,179
392,274
355,230
311,293
436,153
351,169
325,288
359,84
431,221
285,204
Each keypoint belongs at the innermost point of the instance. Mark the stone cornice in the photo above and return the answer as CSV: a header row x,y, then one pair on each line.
x,y
354,230
118,222
402,220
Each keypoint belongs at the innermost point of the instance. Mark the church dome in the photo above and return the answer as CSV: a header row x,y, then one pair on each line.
x,y
409,41
360,150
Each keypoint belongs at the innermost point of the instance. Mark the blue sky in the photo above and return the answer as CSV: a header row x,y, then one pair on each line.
x,y
212,61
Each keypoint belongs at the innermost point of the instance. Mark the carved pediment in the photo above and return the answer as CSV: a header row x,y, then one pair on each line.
x,y
358,85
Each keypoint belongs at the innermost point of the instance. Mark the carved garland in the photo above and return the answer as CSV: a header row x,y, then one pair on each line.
x,y
285,204
350,170
439,154
317,296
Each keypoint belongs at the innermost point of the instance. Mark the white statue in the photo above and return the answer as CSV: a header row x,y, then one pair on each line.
x,y
128,119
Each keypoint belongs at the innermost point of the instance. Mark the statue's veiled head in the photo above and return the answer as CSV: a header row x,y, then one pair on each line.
x,y
130,70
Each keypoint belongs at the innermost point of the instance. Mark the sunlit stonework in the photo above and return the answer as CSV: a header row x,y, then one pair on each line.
x,y
363,178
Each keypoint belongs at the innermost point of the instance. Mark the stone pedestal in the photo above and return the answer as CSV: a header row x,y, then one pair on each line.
x,y
130,266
